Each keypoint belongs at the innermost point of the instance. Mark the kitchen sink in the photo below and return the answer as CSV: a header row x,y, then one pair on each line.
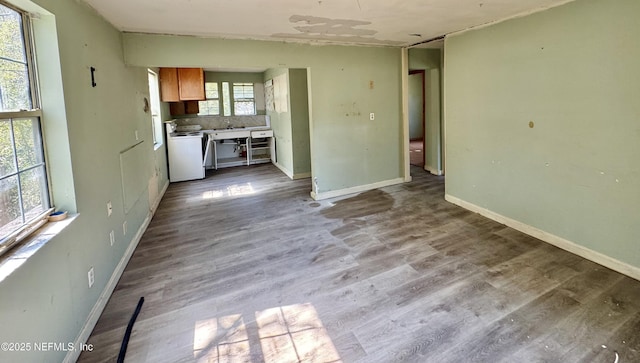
x,y
236,132
230,128
192,133
229,134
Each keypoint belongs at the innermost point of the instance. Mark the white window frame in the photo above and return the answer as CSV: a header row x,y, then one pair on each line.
x,y
34,222
211,99
154,109
244,99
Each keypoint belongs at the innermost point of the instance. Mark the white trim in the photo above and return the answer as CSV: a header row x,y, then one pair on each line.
x,y
432,170
99,306
356,189
155,205
406,159
443,108
589,254
302,176
311,127
284,170
291,175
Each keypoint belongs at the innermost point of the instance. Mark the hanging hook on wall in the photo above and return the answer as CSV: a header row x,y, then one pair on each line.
x,y
93,77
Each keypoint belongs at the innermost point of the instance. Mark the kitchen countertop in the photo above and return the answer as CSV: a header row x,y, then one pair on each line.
x,y
234,133
252,128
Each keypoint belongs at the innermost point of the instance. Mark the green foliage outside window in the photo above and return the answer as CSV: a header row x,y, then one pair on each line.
x,y
23,182
14,75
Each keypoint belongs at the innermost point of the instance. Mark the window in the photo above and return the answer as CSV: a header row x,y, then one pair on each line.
x,y
24,192
226,99
219,99
211,106
244,102
154,107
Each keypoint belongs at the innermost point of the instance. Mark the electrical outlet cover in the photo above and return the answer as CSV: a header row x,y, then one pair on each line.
x,y
91,277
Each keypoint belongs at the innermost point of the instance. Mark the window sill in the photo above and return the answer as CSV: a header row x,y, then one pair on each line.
x,y
14,258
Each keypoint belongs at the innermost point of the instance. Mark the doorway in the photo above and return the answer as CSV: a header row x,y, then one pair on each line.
x,y
417,118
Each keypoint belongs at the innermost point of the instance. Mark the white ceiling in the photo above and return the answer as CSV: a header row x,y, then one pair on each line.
x,y
366,22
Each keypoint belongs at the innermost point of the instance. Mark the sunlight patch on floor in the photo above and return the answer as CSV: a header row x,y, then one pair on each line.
x,y
235,190
292,333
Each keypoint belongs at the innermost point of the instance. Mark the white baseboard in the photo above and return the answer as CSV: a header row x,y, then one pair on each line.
x,y
292,175
155,205
432,170
99,306
286,171
576,249
301,176
356,189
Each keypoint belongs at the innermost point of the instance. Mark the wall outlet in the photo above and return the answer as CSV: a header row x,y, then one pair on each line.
x,y
124,228
372,116
112,237
109,209
91,277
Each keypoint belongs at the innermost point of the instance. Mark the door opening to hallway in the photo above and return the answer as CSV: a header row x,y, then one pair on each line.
x,y
416,118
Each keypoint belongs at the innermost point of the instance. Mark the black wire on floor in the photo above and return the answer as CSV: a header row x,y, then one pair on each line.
x,y
127,334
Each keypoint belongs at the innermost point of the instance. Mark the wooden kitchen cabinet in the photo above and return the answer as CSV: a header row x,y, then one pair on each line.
x,y
181,84
184,108
191,84
169,91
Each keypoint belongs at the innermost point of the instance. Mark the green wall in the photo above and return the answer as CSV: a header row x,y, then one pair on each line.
x,y
424,58
281,126
47,298
416,101
299,102
348,150
572,71
430,60
247,77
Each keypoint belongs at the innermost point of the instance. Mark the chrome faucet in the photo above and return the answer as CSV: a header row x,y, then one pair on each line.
x,y
229,126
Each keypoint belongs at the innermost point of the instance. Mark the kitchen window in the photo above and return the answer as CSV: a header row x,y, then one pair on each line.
x,y
244,102
211,106
24,190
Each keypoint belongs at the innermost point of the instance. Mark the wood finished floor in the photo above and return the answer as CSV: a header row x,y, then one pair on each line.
x,y
391,275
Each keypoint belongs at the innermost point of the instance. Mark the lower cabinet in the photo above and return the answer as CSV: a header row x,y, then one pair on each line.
x,y
230,152
258,148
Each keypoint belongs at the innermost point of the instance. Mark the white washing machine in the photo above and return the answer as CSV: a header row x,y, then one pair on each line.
x,y
185,153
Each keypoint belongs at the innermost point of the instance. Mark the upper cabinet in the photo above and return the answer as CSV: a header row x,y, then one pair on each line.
x,y
182,84
169,85
191,82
